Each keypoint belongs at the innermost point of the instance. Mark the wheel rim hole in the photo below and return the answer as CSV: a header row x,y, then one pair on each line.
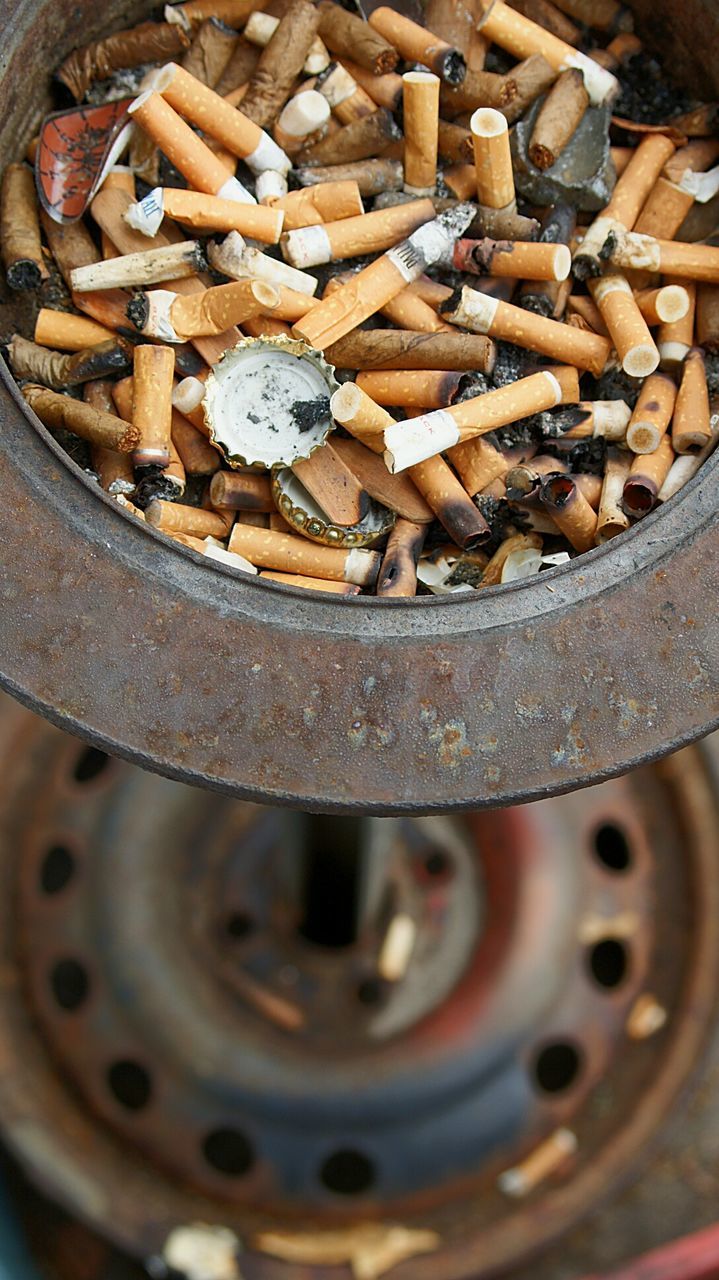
x,y
57,869
229,1151
608,963
372,992
70,984
438,864
90,764
557,1066
347,1173
130,1084
612,847
239,925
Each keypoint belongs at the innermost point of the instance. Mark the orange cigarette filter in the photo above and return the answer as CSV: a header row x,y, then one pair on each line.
x,y
189,154
325,202
212,213
416,44
409,311
691,428
676,339
216,310
270,549
652,414
664,305
152,384
63,331
665,209
310,584
411,388
360,415
628,328
477,463
353,237
175,517
483,314
646,477
492,158
570,510
421,131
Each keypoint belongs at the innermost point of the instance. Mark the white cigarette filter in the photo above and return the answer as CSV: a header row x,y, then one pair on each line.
x,y
304,115
236,259
188,395
260,29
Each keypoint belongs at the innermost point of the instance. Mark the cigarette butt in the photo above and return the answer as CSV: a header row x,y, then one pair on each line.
x,y
175,517
302,121
290,305
430,291
685,467
281,62
353,409
482,314
262,26
57,369
234,13
415,44
628,199
373,177
396,492
152,384
646,477
406,349
451,504
559,117
456,23
477,463
628,329
652,414
421,131
675,340
20,229
235,259
162,313
412,388
361,140
539,1165
611,517
311,584
198,456
114,469
605,15
523,481
347,99
620,158
150,267
665,210
527,82
265,327
550,16
707,317
67,332
352,237
288,553
398,574
189,154
94,425
348,35
174,473
210,213
397,947
333,485
247,491
492,575
606,418
569,509
521,37
664,305
691,428
513,259
410,312
492,159
454,143
326,202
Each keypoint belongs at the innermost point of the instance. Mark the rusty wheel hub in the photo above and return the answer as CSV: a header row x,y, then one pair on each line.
x,y
205,1017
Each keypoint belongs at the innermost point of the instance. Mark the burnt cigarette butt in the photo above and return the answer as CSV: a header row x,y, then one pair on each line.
x,y
523,481
361,140
455,21
451,504
348,35
396,492
94,425
325,202
421,131
522,37
347,99
611,517
675,340
627,327
646,477
526,82
332,484
246,491
410,312
454,143
373,177
482,314
663,305
262,26
175,517
198,456
398,574
114,469
707,317
383,90
110,210
68,332
606,418
239,69
234,259
665,210
415,44
506,224
311,584
547,15
580,305
686,465
628,199
210,52
174,473
652,414
514,259
382,280
405,349
152,384
20,229
302,121
209,213
492,158
212,312
559,117
107,307
71,245
570,511
353,237
288,553
691,428
148,42
152,266
412,388
477,463
187,152
281,62
57,369
234,13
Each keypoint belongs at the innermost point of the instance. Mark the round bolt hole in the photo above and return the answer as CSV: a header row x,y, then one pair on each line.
x,y
608,962
57,869
557,1066
372,991
130,1084
437,864
70,984
228,1151
348,1173
90,764
612,847
238,925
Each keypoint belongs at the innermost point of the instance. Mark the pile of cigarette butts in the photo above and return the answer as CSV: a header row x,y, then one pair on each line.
x,y
378,307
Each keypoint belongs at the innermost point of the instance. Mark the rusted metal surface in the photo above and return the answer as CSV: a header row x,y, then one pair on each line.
x,y
159,877
187,668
